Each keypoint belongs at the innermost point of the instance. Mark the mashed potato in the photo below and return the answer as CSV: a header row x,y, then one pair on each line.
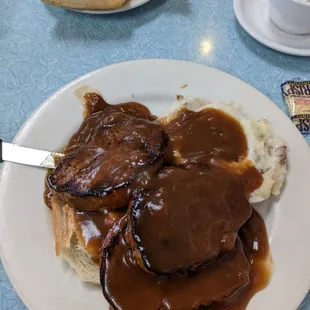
x,y
266,151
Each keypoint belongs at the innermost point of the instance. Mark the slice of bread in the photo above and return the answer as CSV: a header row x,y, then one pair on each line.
x,y
69,245
87,4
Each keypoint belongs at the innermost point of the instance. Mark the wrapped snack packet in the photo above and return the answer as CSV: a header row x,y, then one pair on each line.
x,y
297,98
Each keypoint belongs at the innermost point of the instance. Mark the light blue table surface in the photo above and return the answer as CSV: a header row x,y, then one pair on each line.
x,y
42,48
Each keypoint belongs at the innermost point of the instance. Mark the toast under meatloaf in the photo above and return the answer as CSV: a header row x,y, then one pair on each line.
x,y
79,237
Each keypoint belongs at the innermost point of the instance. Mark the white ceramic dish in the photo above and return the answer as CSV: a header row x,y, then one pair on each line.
x,y
26,237
131,4
253,16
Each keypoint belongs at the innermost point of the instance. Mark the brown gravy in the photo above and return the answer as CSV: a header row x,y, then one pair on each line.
x,y
234,278
95,103
109,152
128,287
227,281
93,228
199,217
256,246
197,137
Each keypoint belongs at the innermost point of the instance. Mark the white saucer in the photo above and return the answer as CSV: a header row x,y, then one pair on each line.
x,y
253,16
131,4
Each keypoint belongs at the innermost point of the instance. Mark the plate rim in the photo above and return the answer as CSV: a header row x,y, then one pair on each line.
x,y
275,46
35,113
128,6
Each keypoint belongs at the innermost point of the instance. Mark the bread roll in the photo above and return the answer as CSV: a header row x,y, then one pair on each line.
x,y
69,245
87,4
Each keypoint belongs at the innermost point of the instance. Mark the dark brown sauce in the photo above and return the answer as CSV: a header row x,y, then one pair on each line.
x,y
108,153
197,137
168,239
199,217
94,227
256,246
129,287
95,103
249,175
234,278
230,278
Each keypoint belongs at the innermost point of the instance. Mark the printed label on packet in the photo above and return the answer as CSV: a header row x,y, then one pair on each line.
x,y
297,99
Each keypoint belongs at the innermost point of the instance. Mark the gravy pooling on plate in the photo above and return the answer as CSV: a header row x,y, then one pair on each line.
x,y
227,278
227,283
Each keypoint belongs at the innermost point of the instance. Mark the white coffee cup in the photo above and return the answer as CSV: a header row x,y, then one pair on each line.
x,y
291,16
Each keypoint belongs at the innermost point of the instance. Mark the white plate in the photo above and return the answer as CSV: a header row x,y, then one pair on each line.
x,y
131,4
253,16
44,282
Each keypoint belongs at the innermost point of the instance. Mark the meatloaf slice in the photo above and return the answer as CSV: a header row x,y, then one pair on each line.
x,y
184,218
115,150
126,286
